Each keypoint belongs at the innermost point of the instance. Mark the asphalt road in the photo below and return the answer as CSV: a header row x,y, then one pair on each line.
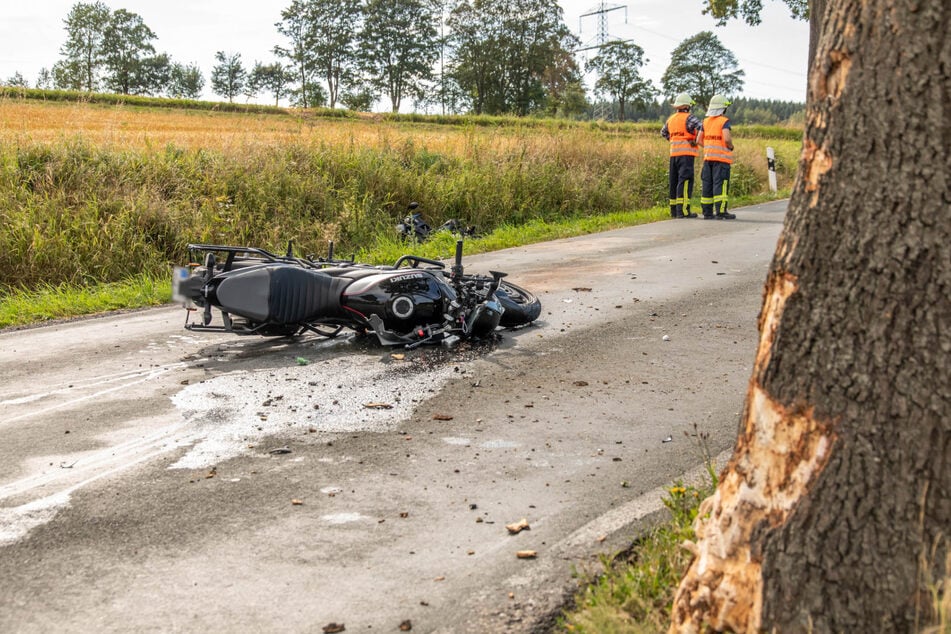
x,y
155,480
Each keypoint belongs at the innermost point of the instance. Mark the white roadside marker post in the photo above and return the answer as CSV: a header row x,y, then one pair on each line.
x,y
771,166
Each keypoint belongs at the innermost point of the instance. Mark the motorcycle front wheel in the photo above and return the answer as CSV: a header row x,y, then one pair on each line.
x,y
521,306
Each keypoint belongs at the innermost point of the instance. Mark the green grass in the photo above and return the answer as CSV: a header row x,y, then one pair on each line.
x,y
634,594
26,307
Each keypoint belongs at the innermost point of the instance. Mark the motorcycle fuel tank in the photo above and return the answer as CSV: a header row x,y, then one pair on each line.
x,y
402,299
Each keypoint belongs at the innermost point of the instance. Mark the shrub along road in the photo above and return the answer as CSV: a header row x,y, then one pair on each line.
x,y
154,479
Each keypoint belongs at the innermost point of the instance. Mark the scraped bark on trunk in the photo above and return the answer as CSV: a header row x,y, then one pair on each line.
x,y
834,513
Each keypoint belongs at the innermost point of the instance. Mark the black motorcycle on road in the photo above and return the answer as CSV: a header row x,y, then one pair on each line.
x,y
415,301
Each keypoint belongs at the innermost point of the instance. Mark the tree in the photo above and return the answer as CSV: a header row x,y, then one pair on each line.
x,y
228,76
127,44
501,49
66,75
186,82
618,67
333,28
398,47
44,79
703,67
17,80
273,78
295,25
83,50
564,90
360,100
833,513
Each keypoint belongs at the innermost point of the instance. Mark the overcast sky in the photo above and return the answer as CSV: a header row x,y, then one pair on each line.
x,y
773,55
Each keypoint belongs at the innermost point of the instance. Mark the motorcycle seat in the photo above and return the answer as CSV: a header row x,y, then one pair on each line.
x,y
282,294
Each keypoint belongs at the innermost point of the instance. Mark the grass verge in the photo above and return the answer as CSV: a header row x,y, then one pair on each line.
x,y
64,301
634,594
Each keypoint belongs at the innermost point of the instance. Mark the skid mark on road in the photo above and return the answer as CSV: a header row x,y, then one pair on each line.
x,y
124,380
17,522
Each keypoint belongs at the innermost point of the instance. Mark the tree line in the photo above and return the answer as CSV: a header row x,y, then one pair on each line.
x,y
489,57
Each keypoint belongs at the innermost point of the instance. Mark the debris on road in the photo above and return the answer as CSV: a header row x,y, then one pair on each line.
x,y
378,406
526,554
297,502
280,451
517,527
334,628
442,417
406,626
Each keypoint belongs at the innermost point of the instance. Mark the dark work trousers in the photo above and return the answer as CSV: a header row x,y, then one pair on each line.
x,y
715,187
681,185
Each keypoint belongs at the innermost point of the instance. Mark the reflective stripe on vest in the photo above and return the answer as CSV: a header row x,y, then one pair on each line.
x,y
714,148
679,136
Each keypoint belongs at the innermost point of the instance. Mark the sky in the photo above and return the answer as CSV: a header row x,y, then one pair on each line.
x,y
773,54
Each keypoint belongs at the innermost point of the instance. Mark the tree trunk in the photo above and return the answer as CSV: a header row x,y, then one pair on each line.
x,y
834,513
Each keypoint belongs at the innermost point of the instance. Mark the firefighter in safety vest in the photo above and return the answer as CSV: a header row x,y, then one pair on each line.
x,y
681,130
717,142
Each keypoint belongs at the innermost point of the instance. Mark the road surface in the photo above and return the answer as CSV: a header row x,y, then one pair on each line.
x,y
152,479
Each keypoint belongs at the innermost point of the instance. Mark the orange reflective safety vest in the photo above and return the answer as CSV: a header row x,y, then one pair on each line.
x,y
680,138
714,147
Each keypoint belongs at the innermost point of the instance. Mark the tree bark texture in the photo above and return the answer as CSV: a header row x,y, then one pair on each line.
x,y
834,512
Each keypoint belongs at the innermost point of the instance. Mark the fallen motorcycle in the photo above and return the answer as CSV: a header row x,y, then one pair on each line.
x,y
413,227
415,301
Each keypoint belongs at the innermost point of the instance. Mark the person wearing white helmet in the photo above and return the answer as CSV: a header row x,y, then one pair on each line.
x,y
717,141
681,130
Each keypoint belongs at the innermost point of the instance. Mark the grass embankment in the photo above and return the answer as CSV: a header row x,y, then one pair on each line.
x,y
94,195
635,593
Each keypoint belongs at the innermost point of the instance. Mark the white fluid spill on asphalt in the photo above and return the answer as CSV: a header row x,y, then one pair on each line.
x,y
230,412
17,522
342,518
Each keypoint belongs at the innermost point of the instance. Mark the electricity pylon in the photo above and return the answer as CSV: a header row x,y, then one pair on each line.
x,y
601,110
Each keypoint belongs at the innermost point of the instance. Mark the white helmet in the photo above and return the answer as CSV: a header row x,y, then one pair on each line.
x,y
683,99
719,102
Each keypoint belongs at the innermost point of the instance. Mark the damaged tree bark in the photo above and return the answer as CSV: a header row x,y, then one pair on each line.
x,y
834,513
